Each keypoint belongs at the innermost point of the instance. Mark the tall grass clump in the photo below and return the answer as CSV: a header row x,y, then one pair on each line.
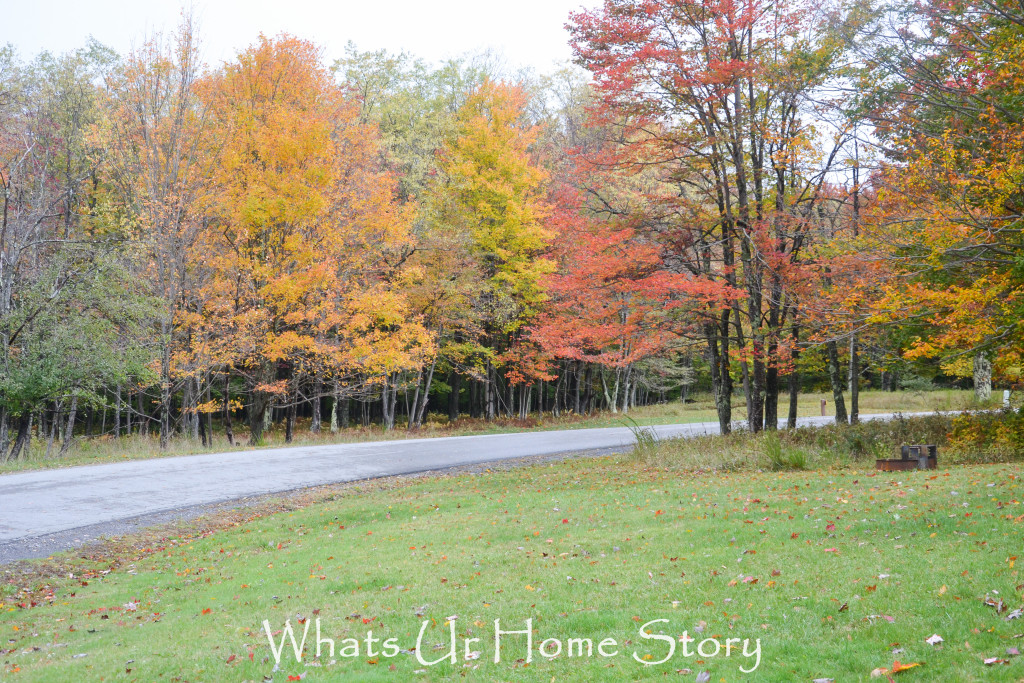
x,y
647,441
782,456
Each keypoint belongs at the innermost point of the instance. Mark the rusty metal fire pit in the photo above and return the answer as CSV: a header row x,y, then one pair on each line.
x,y
917,457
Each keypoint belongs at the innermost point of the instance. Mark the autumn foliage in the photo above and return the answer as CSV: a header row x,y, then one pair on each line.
x,y
746,199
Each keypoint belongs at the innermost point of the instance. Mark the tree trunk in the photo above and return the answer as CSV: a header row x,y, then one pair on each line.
x,y
794,379
771,393
165,393
258,404
335,397
203,437
771,373
143,415
117,413
21,441
474,389
289,421
982,377
209,415
49,427
421,409
318,387
4,434
854,381
835,376
588,389
576,388
491,407
626,389
556,407
193,408
454,381
389,401
394,399
227,409
607,398
412,412
717,336
69,431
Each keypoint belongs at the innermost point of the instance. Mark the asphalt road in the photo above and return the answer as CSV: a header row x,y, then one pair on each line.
x,y
57,502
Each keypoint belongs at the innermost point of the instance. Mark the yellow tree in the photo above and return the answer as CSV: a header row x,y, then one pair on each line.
x,y
492,203
303,223
951,207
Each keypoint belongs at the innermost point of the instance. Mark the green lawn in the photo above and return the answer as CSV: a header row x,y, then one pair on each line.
x,y
837,572
104,449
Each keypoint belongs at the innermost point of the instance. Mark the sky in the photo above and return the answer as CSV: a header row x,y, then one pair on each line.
x,y
529,33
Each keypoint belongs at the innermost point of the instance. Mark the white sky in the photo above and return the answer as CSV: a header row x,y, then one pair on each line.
x,y
527,32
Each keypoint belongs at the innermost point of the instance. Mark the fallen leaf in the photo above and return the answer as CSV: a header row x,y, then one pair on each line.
x,y
933,639
998,605
898,668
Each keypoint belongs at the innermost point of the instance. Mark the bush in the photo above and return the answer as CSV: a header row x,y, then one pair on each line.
x,y
996,436
875,438
803,447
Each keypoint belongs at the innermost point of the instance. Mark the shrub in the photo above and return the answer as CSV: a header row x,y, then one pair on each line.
x,y
988,437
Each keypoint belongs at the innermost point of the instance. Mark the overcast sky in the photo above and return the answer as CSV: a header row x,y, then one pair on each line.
x,y
527,32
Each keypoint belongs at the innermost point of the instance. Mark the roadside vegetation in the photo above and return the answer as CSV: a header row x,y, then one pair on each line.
x,y
963,438
100,449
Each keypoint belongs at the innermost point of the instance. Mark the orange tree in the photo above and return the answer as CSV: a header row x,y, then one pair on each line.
x,y
713,98
304,234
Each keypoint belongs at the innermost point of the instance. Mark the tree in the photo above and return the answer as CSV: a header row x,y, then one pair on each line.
x,y
945,101
156,134
491,198
713,95
303,219
63,283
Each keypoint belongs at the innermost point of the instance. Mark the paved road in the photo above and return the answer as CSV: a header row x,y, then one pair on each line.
x,y
46,502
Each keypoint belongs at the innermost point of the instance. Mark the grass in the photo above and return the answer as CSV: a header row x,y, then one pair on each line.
x,y
105,449
781,457
838,571
646,438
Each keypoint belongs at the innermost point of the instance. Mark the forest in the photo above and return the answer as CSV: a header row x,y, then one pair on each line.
x,y
740,199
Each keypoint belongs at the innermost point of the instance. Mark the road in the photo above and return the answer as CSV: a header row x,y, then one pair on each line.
x,y
57,502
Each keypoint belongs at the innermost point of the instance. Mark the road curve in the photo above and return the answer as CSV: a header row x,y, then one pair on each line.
x,y
42,502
